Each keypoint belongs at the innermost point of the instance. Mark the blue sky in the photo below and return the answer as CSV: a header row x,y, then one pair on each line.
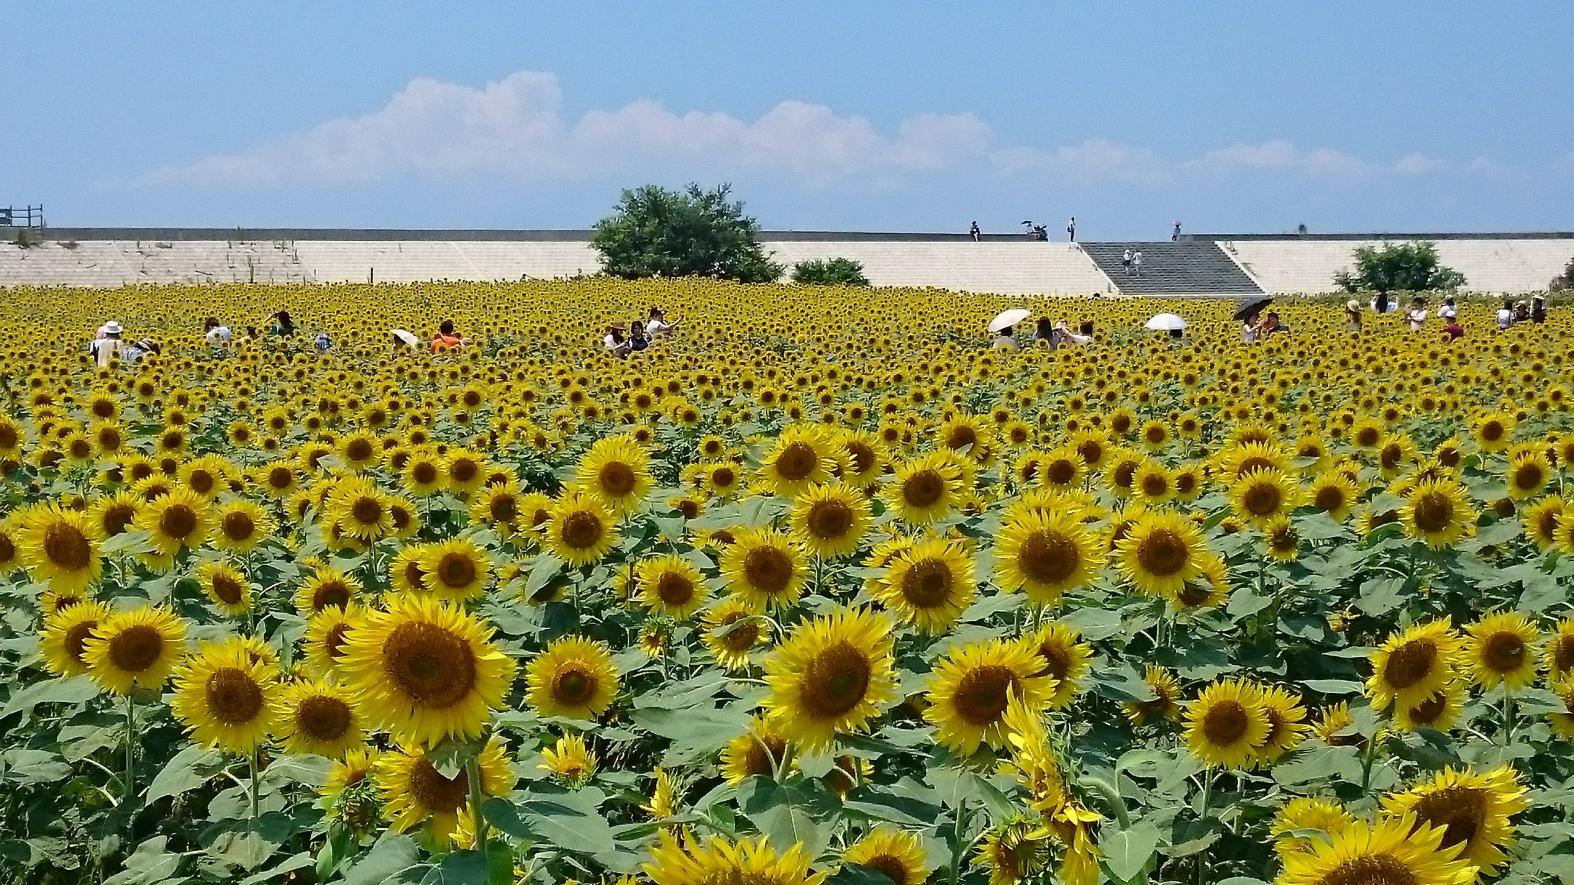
x,y
1229,116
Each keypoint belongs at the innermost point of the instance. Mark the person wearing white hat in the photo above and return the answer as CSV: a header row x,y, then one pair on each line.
x,y
109,346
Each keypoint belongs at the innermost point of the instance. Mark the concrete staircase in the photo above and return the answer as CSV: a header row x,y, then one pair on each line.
x,y
1183,268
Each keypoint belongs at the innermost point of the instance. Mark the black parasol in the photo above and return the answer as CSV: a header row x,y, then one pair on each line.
x,y
1251,306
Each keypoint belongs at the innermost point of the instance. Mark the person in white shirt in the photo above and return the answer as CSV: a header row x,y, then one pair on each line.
x,y
1448,311
216,332
1417,315
615,343
1505,314
1005,339
1136,262
657,323
110,346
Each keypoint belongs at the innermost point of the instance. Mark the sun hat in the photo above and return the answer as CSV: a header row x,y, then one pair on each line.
x,y
1352,305
112,328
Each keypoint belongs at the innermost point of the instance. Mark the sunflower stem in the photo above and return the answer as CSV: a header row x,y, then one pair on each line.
x,y
131,758
1508,717
960,822
1207,800
473,775
255,752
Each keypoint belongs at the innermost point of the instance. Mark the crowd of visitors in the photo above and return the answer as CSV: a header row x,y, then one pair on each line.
x,y
623,339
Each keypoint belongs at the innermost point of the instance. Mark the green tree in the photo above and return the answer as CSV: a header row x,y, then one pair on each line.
x,y
654,231
1412,267
830,272
1564,281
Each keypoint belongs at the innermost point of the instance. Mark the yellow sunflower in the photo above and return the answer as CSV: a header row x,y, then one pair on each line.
x,y
1437,511
757,752
616,471
1562,721
581,529
570,760
135,649
733,628
1528,474
574,677
65,635
683,860
226,588
1044,554
1559,654
1414,664
175,520
1165,704
425,670
972,685
929,584
830,675
1286,723
1501,650
1542,519
799,459
1472,810
225,699
240,525
1333,493
326,588
830,519
326,632
924,489
670,585
1227,724
1161,551
1065,658
1307,813
60,547
317,717
1263,495
455,570
1436,712
415,792
897,854
765,568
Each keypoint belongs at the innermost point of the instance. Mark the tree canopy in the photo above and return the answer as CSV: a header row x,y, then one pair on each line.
x,y
654,231
1400,267
830,272
1564,281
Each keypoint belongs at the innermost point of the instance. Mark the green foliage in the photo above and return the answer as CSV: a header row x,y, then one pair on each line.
x,y
1564,281
27,238
656,232
829,272
1395,267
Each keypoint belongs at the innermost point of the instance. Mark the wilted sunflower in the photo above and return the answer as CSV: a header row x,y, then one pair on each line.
x,y
317,717
455,570
65,635
225,699
135,649
1413,664
1227,724
764,567
830,675
684,860
616,471
1044,554
59,546
924,489
670,585
415,792
929,584
1437,511
226,587
570,760
425,670
759,751
1472,810
1161,552
581,529
830,519
897,854
574,678
1065,658
972,685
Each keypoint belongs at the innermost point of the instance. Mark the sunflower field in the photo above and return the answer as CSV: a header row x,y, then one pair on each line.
x,y
818,589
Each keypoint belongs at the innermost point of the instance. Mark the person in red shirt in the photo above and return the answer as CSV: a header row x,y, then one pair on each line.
x,y
1452,329
446,339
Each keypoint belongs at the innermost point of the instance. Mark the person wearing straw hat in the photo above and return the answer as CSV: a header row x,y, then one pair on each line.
x,y
1352,315
109,346
615,343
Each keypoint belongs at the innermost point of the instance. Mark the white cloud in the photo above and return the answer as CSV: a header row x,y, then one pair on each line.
x,y
516,127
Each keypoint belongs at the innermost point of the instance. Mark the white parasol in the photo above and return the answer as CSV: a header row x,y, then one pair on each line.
x,y
1008,318
406,336
1165,322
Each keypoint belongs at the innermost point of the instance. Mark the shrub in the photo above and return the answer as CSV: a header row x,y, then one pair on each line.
x,y
829,272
